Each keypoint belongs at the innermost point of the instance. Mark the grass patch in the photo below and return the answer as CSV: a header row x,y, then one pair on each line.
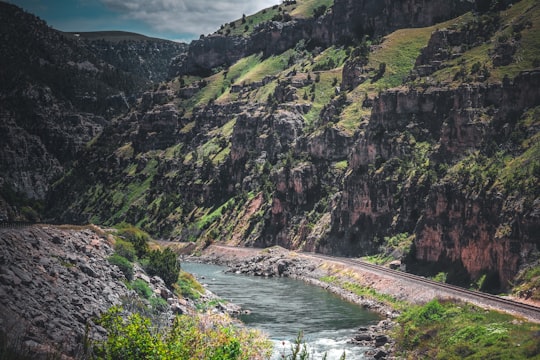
x,y
364,291
320,92
187,286
244,25
270,66
329,59
398,51
449,330
142,288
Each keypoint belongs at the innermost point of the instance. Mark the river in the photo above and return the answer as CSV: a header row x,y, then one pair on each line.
x,y
283,307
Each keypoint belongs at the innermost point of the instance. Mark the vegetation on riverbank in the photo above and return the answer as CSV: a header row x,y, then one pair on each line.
x,y
448,329
454,330
190,337
364,291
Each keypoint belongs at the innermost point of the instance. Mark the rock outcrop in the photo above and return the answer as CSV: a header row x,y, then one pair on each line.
x,y
452,222
147,58
349,19
53,284
346,21
57,92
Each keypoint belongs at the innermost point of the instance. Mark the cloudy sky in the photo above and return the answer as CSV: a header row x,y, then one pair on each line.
x,y
181,20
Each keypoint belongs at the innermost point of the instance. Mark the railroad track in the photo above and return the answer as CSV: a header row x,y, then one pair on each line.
x,y
479,298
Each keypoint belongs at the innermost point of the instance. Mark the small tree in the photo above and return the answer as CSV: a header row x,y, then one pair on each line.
x,y
319,11
137,237
163,264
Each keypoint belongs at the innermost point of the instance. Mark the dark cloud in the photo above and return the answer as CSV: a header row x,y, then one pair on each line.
x,y
186,16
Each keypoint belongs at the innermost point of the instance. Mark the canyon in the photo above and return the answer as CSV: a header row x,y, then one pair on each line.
x,y
340,133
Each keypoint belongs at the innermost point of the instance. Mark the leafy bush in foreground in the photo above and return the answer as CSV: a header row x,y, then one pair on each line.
x,y
200,337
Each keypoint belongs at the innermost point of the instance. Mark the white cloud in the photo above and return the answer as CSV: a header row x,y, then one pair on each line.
x,y
186,16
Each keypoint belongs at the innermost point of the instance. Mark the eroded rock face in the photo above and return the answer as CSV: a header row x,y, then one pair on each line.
x,y
53,283
58,92
352,19
347,20
40,138
208,52
452,222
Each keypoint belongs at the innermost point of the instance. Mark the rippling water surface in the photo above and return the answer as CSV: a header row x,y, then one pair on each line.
x,y
283,307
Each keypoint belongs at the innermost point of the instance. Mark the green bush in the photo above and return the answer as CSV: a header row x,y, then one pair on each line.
x,y
125,266
125,249
136,236
188,286
189,338
158,304
142,288
163,264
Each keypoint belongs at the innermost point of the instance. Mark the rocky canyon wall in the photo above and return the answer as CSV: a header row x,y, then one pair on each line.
x,y
467,219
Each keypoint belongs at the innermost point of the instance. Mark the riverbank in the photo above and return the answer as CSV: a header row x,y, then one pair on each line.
x,y
389,293
279,262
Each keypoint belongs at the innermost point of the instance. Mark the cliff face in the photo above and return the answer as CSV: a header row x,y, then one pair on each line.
x,y
347,21
57,92
457,216
148,58
351,19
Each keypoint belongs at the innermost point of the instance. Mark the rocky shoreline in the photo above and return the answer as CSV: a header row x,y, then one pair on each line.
x,y
279,262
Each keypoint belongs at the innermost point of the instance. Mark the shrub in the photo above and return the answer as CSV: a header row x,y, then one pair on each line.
x,y
163,264
319,11
142,288
125,266
189,338
125,249
187,286
158,304
136,236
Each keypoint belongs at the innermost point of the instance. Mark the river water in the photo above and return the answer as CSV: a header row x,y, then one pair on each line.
x,y
283,307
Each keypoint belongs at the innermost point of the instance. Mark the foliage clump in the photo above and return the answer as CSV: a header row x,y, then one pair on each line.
x,y
449,330
187,286
123,264
135,236
163,264
199,337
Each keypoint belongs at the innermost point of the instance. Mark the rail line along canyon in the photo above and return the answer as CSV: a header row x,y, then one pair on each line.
x,y
297,141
